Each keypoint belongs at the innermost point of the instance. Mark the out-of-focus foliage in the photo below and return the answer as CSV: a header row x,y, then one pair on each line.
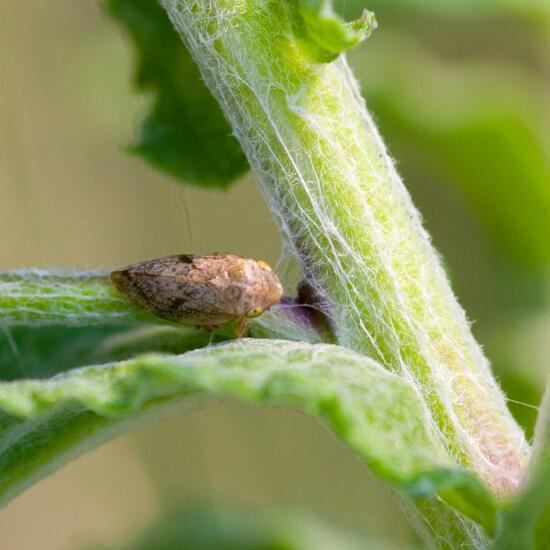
x,y
185,134
465,8
204,528
38,352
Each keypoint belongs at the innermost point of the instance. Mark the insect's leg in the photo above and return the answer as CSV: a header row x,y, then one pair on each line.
x,y
210,329
241,327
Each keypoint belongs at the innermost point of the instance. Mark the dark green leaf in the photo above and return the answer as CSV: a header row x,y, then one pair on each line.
x,y
44,350
185,134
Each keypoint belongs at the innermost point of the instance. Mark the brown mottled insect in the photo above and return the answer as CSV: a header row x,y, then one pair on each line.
x,y
201,290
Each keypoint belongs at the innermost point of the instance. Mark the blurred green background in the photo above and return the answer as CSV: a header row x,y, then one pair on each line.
x,y
461,92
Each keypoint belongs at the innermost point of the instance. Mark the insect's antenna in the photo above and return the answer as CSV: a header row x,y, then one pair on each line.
x,y
289,272
298,306
523,404
182,202
282,258
13,346
210,338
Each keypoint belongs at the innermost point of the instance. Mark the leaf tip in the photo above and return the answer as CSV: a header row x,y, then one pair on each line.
x,y
323,35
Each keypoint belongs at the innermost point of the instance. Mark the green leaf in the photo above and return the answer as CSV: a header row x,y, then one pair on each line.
x,y
185,134
525,522
46,423
41,351
321,34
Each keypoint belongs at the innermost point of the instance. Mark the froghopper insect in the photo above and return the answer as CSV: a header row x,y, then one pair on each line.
x,y
201,290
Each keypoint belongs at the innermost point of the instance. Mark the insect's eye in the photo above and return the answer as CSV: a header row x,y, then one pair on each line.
x,y
254,312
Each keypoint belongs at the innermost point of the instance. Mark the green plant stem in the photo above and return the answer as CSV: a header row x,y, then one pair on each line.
x,y
34,297
348,218
40,296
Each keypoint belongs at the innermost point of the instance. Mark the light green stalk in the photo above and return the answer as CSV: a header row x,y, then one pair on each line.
x,y
348,218
35,297
46,296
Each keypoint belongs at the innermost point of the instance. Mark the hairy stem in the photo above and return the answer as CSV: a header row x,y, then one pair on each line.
x,y
62,296
70,297
348,218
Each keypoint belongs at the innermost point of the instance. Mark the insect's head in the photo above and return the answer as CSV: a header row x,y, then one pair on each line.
x,y
267,289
